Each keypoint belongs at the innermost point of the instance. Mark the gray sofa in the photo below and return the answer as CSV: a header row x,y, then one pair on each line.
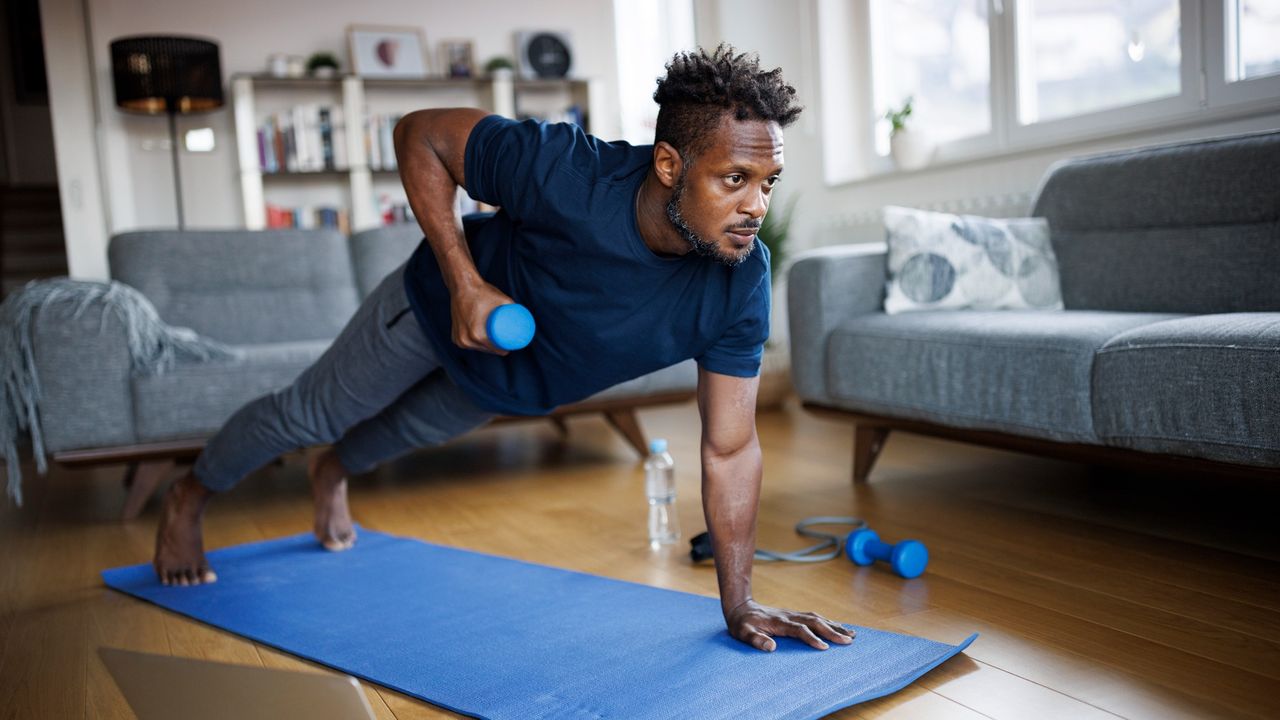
x,y
1168,349
279,297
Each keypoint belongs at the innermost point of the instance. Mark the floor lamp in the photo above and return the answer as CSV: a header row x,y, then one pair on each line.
x,y
170,75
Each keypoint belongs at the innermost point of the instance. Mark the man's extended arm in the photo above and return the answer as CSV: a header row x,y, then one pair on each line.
x,y
731,469
430,150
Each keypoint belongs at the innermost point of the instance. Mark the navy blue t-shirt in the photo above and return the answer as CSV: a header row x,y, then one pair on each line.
x,y
565,245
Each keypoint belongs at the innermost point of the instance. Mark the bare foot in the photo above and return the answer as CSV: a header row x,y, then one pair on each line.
x,y
179,541
333,527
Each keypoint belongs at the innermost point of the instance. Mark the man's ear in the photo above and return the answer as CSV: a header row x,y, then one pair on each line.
x,y
667,163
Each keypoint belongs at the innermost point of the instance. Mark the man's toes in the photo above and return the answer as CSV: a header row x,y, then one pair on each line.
x,y
333,544
207,575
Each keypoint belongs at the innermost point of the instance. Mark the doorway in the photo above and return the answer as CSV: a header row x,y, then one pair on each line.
x,y
32,245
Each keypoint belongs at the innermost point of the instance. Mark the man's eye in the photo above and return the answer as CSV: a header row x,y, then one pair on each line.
x,y
772,181
734,179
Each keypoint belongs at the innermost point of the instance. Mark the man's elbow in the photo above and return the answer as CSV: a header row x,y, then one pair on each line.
x,y
404,128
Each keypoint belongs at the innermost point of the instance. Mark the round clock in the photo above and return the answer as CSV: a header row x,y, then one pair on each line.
x,y
547,55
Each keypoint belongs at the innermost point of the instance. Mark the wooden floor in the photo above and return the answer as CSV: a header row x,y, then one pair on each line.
x,y
1098,593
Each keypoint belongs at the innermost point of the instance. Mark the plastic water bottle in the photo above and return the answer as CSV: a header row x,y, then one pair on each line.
x,y
660,487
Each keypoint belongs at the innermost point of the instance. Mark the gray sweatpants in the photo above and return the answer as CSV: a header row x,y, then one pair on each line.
x,y
377,393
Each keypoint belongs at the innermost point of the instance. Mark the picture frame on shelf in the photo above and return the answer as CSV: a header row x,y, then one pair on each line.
x,y
457,58
387,51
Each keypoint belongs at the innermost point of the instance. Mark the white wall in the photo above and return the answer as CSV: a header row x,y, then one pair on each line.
x,y
137,183
784,34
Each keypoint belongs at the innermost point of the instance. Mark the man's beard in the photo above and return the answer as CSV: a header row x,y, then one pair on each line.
x,y
696,242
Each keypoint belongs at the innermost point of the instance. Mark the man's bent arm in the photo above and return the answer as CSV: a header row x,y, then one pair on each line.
x,y
430,152
731,471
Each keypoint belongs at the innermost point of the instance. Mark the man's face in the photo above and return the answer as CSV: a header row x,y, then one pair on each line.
x,y
720,198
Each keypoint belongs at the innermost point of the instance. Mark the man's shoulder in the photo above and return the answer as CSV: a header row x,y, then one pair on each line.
x,y
566,145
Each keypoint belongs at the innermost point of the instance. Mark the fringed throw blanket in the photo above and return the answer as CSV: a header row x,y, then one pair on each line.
x,y
153,348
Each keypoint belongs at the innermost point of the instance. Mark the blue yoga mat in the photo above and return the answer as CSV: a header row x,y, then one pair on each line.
x,y
497,638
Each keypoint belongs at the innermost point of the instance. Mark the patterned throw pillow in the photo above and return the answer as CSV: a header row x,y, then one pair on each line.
x,y
964,262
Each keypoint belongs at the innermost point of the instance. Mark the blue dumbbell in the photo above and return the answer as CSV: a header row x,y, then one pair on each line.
x,y
907,558
510,326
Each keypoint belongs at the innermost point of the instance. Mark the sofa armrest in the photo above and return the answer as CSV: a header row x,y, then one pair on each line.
x,y
825,286
82,361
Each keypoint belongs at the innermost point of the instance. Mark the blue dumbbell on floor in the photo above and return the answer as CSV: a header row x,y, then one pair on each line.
x,y
908,558
510,326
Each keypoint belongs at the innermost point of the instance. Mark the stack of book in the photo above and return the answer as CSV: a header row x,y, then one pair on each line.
x,y
378,145
306,138
323,216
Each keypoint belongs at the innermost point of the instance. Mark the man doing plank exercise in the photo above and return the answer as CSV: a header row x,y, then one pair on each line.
x,y
631,259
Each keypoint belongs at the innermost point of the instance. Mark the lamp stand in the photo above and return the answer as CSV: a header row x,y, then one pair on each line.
x,y
177,177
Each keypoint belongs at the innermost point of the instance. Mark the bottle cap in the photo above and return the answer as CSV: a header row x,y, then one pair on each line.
x,y
658,446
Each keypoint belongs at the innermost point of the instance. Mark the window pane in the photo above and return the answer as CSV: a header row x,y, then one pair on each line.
x,y
1253,41
1079,57
936,51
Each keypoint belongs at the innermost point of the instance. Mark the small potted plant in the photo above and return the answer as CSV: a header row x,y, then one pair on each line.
x,y
499,67
911,149
775,367
322,65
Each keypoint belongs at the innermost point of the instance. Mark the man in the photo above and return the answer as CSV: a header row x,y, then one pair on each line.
x,y
630,258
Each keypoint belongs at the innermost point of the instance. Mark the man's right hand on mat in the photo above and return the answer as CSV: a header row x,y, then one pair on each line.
x,y
470,308
756,624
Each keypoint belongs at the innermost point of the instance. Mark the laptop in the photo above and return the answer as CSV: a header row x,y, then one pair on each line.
x,y
162,687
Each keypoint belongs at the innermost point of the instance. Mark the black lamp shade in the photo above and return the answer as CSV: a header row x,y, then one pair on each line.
x,y
156,75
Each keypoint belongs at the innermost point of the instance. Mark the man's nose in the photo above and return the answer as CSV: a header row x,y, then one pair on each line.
x,y
755,204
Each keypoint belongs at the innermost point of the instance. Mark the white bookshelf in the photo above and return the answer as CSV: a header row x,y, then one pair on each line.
x,y
357,187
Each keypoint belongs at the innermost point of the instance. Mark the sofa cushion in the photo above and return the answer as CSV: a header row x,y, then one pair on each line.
x,y
194,399
240,286
377,252
1207,386
939,261
1017,371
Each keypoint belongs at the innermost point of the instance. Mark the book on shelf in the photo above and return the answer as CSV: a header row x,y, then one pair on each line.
x,y
304,138
309,217
379,142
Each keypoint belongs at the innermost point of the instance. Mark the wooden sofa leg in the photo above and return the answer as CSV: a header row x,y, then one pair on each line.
x,y
561,426
868,441
625,422
142,480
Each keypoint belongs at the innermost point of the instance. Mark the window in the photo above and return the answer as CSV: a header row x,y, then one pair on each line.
x,y
1253,39
937,53
990,77
1076,58
647,34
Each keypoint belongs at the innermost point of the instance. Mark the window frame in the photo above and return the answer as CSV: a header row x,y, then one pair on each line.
x,y
1219,92
1205,95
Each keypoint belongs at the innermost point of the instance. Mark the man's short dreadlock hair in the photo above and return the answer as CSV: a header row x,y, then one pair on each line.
x,y
699,88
